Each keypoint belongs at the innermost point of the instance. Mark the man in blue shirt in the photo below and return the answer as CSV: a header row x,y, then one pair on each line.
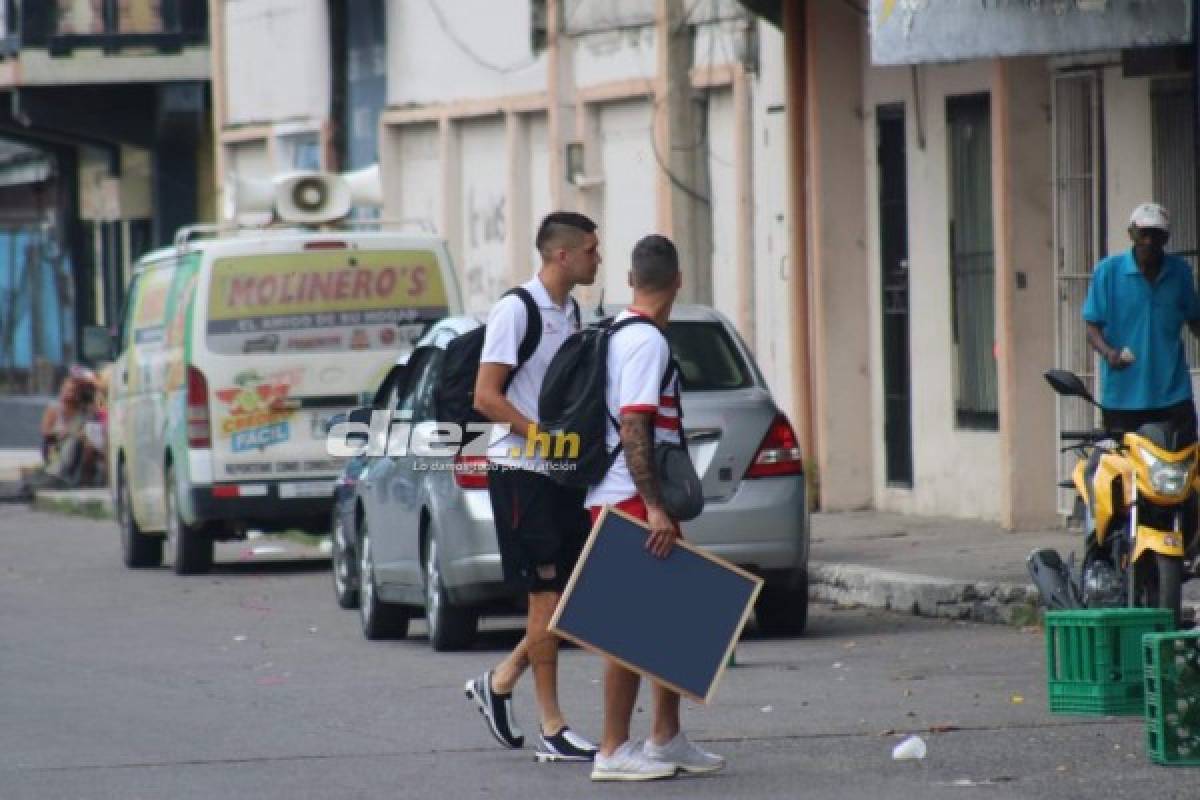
x,y
1136,307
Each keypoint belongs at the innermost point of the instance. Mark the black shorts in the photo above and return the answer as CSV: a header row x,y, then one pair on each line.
x,y
1181,416
538,524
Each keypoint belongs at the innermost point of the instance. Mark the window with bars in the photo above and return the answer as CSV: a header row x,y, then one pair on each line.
x,y
972,261
62,25
1172,118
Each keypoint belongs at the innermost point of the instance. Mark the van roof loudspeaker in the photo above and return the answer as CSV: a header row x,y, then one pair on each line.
x,y
366,186
248,196
304,197
310,198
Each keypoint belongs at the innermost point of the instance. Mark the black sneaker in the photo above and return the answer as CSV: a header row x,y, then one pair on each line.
x,y
496,709
566,745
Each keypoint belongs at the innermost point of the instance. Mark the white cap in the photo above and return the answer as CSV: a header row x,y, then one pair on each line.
x,y
1150,215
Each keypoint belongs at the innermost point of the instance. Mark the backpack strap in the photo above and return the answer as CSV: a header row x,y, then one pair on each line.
x,y
533,331
671,370
578,313
533,326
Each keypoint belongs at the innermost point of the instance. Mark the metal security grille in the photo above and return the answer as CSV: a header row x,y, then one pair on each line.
x,y
973,264
1175,177
1078,231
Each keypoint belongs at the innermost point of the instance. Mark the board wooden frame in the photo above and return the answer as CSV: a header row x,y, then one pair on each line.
x,y
587,548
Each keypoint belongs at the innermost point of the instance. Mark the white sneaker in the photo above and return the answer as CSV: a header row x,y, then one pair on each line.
x,y
684,755
630,763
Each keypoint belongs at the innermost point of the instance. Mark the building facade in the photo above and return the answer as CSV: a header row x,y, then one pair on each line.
x,y
901,230
1003,148
649,115
106,152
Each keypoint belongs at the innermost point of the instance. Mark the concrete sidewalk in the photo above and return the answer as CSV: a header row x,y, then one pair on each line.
x,y
14,460
929,566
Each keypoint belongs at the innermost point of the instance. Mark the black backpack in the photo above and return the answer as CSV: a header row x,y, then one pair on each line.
x,y
573,403
454,395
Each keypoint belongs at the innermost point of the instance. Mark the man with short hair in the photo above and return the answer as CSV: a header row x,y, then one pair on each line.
x,y
1136,307
645,399
540,525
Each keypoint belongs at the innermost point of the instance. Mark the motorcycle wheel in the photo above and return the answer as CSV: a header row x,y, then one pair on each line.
x,y
1158,583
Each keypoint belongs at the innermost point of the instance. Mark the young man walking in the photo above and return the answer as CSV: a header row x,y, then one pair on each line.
x,y
638,360
540,525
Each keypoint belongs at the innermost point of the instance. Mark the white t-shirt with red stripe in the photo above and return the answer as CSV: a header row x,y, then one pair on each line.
x,y
638,356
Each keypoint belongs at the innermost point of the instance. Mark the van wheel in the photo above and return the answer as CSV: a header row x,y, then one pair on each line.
x,y
783,610
450,627
379,620
345,564
191,548
138,550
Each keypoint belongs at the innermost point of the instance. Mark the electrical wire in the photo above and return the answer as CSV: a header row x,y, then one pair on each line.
x,y
466,50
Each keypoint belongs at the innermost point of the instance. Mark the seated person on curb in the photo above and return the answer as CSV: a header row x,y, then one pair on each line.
x,y
638,358
71,457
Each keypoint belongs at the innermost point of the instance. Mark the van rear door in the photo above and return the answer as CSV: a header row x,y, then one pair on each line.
x,y
294,338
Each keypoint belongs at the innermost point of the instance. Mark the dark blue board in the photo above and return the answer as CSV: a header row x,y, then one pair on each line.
x,y
672,619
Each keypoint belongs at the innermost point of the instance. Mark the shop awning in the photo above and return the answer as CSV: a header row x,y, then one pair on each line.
x,y
924,31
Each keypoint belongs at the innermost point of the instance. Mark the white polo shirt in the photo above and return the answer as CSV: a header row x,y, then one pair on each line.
x,y
506,327
637,360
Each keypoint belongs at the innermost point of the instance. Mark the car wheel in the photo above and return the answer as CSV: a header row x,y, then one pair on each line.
x,y
191,548
450,627
783,610
345,564
380,620
137,549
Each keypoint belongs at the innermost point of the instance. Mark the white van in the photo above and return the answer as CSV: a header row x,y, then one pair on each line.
x,y
235,352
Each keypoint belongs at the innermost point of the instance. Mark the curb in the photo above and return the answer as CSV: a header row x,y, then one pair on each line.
x,y
91,503
923,595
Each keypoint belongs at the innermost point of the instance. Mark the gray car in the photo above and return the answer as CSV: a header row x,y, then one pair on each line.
x,y
423,538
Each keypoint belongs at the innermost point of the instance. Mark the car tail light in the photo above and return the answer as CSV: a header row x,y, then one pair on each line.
x,y
471,472
226,490
199,426
779,453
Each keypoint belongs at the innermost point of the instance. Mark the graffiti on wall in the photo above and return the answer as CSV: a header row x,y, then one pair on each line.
x,y
486,257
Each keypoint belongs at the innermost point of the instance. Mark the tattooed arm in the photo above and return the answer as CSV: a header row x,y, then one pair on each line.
x,y
637,440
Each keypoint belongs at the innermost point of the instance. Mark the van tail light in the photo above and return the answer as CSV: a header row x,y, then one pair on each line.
x,y
779,454
199,424
471,472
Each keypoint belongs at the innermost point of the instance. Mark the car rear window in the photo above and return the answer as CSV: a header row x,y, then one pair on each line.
x,y
707,357
323,301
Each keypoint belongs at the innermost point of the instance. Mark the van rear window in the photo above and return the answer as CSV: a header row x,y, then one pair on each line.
x,y
323,301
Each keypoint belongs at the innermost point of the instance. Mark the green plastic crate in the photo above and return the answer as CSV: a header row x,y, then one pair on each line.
x,y
1172,663
1094,659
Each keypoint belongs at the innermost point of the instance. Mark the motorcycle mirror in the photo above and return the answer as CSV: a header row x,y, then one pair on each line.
x,y
1068,384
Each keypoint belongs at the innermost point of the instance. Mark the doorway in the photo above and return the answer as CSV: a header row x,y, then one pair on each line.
x,y
893,249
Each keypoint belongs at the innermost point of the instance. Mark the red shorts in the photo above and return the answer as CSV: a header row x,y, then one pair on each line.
x,y
634,507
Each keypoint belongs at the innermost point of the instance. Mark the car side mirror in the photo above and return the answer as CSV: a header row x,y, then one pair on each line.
x,y
97,344
360,416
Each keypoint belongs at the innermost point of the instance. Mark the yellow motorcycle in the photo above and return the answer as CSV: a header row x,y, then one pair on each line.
x,y
1136,490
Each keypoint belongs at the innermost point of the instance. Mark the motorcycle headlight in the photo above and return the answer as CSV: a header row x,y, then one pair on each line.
x,y
1168,478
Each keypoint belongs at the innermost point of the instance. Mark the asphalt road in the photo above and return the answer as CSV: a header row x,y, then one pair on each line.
x,y
251,683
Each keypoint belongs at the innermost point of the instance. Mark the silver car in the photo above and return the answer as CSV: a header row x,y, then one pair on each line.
x,y
422,536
